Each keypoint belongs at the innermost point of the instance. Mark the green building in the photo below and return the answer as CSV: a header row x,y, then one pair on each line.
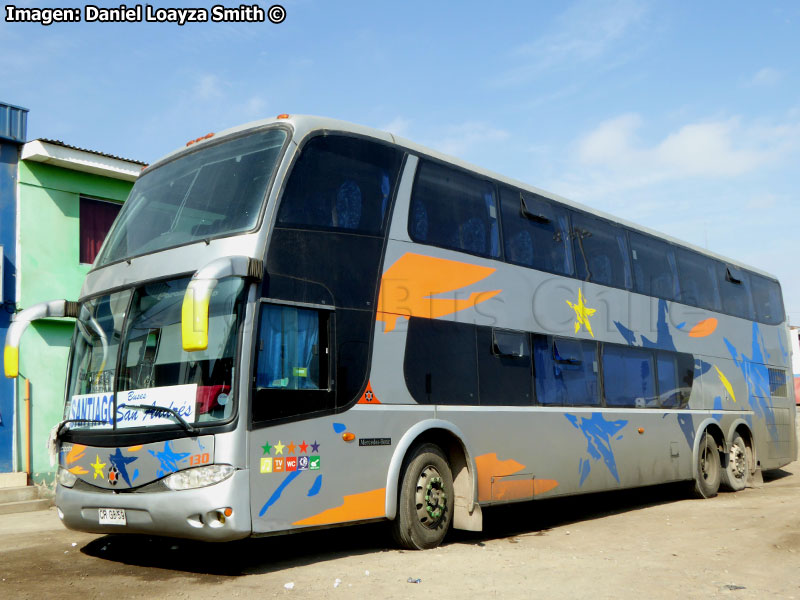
x,y
67,199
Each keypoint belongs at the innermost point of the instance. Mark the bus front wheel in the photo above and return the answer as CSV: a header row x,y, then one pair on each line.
x,y
425,507
707,480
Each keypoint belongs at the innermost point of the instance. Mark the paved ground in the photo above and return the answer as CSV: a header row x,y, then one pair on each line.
x,y
651,543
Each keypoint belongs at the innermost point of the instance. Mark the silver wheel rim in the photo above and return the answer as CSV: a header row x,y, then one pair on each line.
x,y
738,461
430,497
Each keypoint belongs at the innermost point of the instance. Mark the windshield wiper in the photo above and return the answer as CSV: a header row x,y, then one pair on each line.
x,y
61,425
190,428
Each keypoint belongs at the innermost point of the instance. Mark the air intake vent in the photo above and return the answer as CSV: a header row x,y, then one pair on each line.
x,y
777,383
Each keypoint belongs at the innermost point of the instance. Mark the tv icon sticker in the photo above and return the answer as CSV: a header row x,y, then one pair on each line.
x,y
277,465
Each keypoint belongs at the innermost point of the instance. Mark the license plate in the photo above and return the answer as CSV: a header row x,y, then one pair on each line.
x,y
112,516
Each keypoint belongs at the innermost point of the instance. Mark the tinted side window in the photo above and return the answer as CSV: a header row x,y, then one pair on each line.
x,y
292,363
628,377
535,232
601,252
734,287
698,279
454,210
340,183
504,367
654,270
440,362
675,378
565,371
668,388
767,299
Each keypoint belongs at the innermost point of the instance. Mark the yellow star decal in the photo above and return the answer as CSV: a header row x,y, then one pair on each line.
x,y
582,313
279,447
98,467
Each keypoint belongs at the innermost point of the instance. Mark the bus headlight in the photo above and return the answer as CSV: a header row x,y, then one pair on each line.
x,y
198,477
66,478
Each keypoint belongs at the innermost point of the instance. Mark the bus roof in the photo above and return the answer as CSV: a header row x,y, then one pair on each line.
x,y
306,124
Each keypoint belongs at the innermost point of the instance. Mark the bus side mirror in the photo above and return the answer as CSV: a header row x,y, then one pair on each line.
x,y
11,361
194,310
194,314
56,308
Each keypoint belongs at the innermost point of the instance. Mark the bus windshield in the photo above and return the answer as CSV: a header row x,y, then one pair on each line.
x,y
214,192
154,370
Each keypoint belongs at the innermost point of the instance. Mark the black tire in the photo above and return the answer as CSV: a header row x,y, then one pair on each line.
x,y
707,480
736,475
425,504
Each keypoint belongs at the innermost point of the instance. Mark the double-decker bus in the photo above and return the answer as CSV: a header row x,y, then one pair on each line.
x,y
301,323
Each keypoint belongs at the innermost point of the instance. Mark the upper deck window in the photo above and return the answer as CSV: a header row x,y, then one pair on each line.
x,y
767,299
535,232
215,191
341,184
734,285
601,251
454,210
654,268
698,279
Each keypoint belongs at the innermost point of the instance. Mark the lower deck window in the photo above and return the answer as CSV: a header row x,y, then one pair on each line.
x,y
288,348
628,377
566,371
292,362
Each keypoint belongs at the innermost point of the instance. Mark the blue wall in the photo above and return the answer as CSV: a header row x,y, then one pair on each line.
x,y
9,156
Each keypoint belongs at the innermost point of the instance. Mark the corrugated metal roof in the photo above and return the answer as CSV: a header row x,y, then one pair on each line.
x,y
65,145
13,122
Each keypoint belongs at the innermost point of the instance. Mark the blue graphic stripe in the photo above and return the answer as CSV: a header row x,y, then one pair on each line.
x,y
277,493
316,487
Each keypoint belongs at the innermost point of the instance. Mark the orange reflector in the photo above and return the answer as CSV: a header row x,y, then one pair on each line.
x,y
228,511
208,135
348,437
640,430
283,116
190,142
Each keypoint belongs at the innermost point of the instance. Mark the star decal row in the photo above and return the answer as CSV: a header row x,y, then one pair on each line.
x,y
291,447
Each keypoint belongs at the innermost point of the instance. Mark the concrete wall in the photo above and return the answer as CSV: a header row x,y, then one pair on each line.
x,y
49,270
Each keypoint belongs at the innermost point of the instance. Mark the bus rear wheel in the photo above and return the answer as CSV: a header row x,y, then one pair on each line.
x,y
425,507
740,465
707,480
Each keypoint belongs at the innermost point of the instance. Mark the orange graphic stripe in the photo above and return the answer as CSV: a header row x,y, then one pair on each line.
x,y
78,470
135,448
366,505
512,490
76,453
704,328
408,288
490,466
540,486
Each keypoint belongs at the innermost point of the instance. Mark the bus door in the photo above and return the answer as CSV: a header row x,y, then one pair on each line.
x,y
305,468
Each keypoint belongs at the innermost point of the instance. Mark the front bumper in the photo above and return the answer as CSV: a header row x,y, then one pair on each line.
x,y
192,514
